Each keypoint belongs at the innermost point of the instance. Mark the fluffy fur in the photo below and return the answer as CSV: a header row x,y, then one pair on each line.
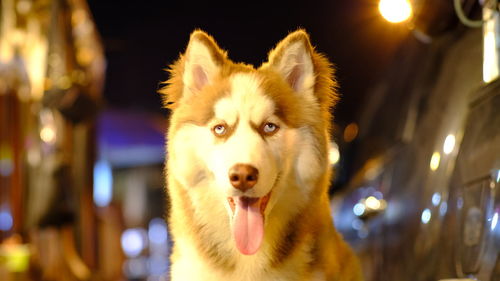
x,y
294,92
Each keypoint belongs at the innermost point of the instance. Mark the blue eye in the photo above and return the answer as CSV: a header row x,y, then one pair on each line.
x,y
270,128
219,130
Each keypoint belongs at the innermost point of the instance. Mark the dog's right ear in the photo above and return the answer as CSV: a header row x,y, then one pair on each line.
x,y
197,68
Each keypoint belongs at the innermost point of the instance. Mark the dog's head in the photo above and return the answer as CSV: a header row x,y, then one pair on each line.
x,y
243,137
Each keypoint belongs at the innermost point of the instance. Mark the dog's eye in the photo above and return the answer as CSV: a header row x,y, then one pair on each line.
x,y
270,128
219,130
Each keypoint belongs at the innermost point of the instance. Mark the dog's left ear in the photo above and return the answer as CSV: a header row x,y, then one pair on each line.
x,y
305,70
292,58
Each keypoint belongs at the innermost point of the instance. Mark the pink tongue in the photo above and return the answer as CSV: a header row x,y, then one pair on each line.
x,y
248,225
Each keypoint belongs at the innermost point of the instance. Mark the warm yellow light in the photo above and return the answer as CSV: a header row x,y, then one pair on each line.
x,y
48,135
490,57
372,203
449,144
333,154
434,164
395,10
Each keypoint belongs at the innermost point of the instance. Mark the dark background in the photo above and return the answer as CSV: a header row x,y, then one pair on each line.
x,y
142,39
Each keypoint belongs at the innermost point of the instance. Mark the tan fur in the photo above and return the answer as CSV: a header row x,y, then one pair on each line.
x,y
300,242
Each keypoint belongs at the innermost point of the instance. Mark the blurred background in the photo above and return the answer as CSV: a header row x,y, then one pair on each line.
x,y
416,149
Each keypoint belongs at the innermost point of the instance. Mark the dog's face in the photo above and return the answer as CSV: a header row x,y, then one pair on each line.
x,y
246,134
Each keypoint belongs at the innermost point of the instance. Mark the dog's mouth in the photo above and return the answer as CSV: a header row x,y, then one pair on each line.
x,y
248,222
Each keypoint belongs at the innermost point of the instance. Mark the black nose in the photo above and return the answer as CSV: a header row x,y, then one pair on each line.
x,y
243,176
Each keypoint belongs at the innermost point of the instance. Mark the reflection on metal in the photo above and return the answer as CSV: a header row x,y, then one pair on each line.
x,y
491,42
449,144
435,159
426,216
395,10
472,226
478,197
436,198
443,209
494,221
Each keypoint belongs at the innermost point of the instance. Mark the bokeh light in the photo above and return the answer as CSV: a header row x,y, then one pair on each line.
x,y
6,220
426,216
103,183
333,153
435,159
395,10
133,242
449,144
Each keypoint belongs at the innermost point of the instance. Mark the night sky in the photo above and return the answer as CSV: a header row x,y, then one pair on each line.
x,y
142,38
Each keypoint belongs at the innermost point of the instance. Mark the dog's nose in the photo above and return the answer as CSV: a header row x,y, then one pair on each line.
x,y
243,176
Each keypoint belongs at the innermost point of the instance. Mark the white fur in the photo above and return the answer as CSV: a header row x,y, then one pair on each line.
x,y
202,163
307,165
249,268
245,108
287,162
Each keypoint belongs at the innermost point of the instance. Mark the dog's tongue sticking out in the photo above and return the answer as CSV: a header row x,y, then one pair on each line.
x,y
248,225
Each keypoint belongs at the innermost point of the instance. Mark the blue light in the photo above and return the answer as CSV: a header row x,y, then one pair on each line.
x,y
5,220
358,209
357,224
494,221
157,232
460,203
443,208
133,241
436,198
103,183
378,195
158,265
426,216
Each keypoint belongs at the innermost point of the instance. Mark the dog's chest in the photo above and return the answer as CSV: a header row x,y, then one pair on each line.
x,y
193,267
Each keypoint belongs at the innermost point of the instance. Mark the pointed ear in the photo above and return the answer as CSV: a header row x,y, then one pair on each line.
x,y
203,61
292,58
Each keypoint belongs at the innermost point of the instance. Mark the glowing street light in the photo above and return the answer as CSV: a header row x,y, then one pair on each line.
x,y
395,10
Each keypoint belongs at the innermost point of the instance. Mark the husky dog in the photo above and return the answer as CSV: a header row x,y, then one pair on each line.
x,y
247,169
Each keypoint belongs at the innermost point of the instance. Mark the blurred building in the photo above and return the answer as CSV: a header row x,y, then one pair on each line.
x,y
51,77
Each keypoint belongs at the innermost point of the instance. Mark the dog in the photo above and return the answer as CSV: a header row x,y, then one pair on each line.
x,y
247,166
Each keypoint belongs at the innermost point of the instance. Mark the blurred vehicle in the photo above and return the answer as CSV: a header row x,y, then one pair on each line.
x,y
424,201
